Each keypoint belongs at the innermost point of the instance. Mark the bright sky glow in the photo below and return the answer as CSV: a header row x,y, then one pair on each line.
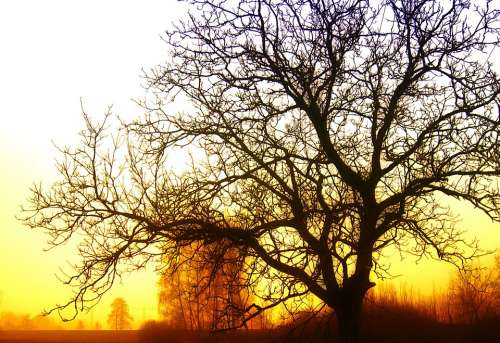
x,y
52,54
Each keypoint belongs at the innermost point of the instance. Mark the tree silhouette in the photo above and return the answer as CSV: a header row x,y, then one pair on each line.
x,y
330,130
119,318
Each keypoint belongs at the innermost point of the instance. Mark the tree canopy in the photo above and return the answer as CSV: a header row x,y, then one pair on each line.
x,y
329,131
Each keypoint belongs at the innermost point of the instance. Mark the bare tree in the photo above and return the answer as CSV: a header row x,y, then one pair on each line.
x,y
119,318
331,130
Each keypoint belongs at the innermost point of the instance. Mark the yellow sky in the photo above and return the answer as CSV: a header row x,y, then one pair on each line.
x,y
53,53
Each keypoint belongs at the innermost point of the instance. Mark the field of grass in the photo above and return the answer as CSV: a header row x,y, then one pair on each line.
x,y
377,327
167,336
70,336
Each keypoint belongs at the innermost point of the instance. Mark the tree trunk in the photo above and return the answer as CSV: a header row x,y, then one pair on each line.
x,y
348,316
350,298
349,306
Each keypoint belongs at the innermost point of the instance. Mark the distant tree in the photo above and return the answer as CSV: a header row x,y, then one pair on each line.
x,y
332,129
119,318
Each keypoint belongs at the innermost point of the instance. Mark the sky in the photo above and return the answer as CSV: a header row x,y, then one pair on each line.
x,y
54,53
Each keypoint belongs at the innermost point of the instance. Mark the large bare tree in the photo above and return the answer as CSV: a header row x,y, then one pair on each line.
x,y
329,131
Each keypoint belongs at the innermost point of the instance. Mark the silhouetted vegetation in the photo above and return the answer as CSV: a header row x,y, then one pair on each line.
x,y
391,314
320,132
468,311
474,295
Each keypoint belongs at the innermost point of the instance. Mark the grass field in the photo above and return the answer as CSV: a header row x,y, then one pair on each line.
x,y
70,336
167,336
393,330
